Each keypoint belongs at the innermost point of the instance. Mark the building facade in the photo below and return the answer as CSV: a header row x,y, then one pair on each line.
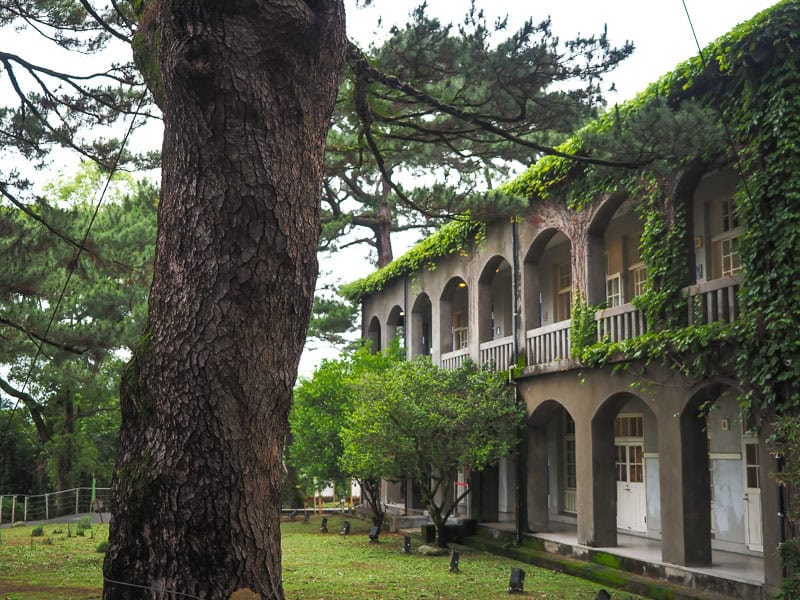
x,y
626,445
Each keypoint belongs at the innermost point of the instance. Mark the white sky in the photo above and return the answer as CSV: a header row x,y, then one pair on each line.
x,y
659,30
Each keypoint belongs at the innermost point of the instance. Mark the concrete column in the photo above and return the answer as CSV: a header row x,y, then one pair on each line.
x,y
597,493
595,268
474,318
436,329
484,494
685,495
538,510
770,524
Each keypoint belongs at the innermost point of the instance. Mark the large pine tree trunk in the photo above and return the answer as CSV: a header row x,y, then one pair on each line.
x,y
248,89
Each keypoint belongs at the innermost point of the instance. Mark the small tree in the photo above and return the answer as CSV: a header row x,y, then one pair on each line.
x,y
320,407
419,421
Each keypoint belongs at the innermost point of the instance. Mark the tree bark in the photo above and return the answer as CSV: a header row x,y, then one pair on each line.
x,y
248,88
383,231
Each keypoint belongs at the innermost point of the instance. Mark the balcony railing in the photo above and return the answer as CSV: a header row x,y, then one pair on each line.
x,y
707,302
620,323
453,360
713,300
549,343
499,352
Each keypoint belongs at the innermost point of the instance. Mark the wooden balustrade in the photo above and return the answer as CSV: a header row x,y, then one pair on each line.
x,y
620,323
453,360
713,300
707,302
499,352
549,343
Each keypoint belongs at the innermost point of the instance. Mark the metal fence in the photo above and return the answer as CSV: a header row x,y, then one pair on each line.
x,y
19,507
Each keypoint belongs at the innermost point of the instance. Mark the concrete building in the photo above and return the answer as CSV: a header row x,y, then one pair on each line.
x,y
644,454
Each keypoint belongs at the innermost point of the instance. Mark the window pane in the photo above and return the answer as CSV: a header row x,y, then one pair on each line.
x,y
751,451
752,477
638,427
639,278
621,463
613,296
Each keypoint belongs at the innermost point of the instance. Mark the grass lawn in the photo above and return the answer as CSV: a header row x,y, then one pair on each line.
x,y
62,566
59,565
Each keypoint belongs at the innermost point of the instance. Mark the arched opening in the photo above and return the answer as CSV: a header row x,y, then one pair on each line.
x,y
374,334
396,325
618,230
421,321
454,321
552,474
495,309
717,226
548,280
548,297
495,313
723,465
625,434
715,255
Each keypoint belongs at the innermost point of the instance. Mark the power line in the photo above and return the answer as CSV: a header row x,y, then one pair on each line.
x,y
74,263
146,587
728,135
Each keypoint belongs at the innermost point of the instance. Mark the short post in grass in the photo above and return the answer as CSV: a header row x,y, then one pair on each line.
x,y
454,558
306,516
323,527
516,583
374,533
345,528
602,595
407,544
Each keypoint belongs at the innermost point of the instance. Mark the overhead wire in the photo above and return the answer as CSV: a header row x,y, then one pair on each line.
x,y
728,135
74,263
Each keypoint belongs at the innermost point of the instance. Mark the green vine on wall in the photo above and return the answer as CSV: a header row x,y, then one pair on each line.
x,y
456,237
583,326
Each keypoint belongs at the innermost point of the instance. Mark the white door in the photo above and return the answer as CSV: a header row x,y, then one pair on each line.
x,y
631,497
752,497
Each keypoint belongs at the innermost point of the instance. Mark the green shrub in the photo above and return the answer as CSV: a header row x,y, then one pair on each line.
x,y
102,547
84,525
37,531
48,541
789,552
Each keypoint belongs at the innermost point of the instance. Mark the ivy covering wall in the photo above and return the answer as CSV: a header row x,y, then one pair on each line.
x,y
735,105
738,104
